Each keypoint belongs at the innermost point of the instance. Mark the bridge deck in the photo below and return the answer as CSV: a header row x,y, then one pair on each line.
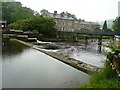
x,y
90,32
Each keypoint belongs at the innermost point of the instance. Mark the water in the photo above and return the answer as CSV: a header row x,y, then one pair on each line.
x,y
79,51
89,54
23,67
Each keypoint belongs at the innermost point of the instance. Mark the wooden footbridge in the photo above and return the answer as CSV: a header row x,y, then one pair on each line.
x,y
76,34
86,35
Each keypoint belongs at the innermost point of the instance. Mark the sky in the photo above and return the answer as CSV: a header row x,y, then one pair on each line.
x,y
90,10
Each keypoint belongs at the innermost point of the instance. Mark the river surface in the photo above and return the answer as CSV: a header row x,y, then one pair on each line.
x,y
88,54
24,67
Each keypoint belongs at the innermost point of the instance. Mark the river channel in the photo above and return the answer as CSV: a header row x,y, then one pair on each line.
x,y
24,67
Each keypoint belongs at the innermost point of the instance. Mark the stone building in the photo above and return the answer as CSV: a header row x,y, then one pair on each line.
x,y
65,22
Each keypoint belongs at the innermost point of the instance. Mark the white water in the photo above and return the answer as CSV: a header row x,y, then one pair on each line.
x,y
89,55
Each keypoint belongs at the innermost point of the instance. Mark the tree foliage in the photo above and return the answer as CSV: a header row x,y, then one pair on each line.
x,y
116,25
105,26
13,11
44,12
45,26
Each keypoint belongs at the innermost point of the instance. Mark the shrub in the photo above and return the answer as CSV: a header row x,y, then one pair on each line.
x,y
106,78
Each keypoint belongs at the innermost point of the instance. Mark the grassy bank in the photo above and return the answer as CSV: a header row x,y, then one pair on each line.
x,y
106,78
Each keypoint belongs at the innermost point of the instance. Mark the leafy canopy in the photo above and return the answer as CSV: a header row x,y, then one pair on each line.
x,y
14,11
116,25
45,26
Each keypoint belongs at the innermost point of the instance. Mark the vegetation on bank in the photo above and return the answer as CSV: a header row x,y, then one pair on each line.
x,y
45,26
116,25
108,77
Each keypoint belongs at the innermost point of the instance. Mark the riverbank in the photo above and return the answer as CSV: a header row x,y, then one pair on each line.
x,y
87,68
106,78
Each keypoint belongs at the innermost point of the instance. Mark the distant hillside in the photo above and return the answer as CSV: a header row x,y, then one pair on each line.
x,y
109,23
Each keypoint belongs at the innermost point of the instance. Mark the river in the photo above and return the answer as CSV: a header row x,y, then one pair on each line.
x,y
88,54
24,67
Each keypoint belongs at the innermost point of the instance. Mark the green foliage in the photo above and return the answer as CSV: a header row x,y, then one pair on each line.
x,y
35,31
105,73
113,48
105,25
116,25
112,83
45,26
13,11
106,78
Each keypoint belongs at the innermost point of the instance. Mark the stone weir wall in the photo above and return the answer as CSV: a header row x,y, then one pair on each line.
x,y
87,68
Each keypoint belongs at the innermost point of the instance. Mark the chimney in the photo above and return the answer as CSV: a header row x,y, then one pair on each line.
x,y
55,12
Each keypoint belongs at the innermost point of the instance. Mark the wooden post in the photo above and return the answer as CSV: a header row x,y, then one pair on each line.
x,y
76,37
62,37
57,36
99,44
86,42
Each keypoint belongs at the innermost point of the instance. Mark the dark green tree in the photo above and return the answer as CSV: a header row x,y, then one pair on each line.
x,y
116,25
105,26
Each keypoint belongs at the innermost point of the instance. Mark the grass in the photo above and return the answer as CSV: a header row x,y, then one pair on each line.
x,y
106,78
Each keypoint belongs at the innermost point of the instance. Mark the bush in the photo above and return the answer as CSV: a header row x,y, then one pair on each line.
x,y
45,26
35,31
106,78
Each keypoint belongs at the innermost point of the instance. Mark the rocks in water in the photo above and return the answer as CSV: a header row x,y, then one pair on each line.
x,y
32,40
51,46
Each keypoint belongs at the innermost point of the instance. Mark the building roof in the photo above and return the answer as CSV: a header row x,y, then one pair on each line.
x,y
66,17
58,16
85,22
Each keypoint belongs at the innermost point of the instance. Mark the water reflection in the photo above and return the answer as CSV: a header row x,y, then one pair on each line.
x,y
11,48
33,69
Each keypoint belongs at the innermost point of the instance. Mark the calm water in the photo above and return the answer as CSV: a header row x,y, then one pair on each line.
x,y
23,67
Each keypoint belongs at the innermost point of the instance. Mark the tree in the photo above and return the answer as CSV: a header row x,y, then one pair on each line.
x,y
13,11
44,12
45,26
36,14
116,25
105,26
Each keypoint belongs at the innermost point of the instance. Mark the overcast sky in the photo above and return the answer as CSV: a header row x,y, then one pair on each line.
x,y
90,10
